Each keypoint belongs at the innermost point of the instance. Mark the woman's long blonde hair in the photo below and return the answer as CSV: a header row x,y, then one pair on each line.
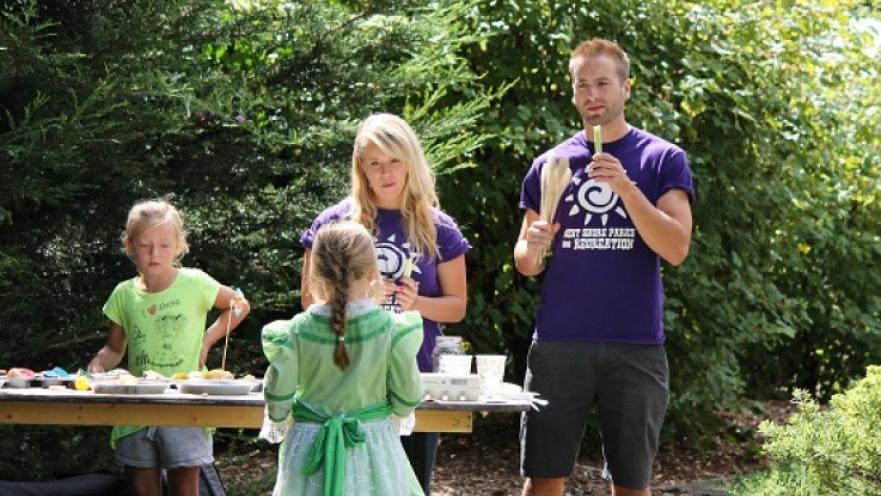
x,y
396,139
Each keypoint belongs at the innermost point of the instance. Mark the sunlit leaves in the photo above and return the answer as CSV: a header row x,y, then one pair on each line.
x,y
825,451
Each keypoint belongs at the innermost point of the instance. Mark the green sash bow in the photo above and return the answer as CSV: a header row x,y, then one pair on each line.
x,y
338,433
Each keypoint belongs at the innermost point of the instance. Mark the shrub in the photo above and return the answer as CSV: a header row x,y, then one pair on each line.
x,y
835,450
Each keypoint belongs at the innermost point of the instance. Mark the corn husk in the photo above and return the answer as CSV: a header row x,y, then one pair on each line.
x,y
408,266
555,176
235,305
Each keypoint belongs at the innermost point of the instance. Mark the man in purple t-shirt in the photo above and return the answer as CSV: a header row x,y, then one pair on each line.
x,y
599,335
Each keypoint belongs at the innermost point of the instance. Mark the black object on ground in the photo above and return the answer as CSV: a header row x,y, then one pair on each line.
x,y
79,485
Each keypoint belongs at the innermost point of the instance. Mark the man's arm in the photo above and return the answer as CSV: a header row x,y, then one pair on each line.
x,y
536,236
665,228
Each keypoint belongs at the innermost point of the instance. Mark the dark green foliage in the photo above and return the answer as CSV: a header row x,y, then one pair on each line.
x,y
245,116
40,453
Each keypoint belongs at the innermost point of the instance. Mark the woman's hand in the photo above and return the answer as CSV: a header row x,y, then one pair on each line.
x,y
407,293
390,288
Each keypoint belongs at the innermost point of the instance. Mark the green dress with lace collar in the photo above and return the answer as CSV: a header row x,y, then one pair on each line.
x,y
343,440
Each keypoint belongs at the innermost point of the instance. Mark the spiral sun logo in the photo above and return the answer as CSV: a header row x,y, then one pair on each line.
x,y
391,258
594,199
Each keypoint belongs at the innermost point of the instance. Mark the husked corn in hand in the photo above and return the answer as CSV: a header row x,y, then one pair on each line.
x,y
555,176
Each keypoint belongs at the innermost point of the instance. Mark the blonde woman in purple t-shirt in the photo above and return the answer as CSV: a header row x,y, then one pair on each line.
x,y
420,250
599,335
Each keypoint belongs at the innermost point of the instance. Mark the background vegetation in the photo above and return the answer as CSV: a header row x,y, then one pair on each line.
x,y
245,112
825,451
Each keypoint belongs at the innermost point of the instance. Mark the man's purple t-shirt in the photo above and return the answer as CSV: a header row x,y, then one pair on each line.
x,y
392,249
603,283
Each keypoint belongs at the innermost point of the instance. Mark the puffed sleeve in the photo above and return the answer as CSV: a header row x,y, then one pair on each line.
x,y
280,380
404,382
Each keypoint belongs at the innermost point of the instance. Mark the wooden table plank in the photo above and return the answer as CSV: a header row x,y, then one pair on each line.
x,y
443,421
67,407
72,413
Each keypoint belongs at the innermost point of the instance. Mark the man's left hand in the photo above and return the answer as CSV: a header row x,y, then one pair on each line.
x,y
605,168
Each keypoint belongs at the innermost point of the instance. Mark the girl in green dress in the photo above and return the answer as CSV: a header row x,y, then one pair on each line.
x,y
342,371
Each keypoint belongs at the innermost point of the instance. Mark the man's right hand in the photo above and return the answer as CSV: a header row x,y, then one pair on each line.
x,y
535,239
540,236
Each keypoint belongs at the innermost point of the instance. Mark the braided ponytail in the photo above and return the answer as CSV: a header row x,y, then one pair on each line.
x,y
341,254
338,323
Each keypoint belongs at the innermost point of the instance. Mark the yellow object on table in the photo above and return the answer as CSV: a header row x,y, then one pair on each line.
x,y
81,383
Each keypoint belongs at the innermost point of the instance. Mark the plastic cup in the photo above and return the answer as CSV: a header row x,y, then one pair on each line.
x,y
443,345
454,364
491,369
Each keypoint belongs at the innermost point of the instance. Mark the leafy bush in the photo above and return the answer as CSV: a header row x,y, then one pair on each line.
x,y
834,450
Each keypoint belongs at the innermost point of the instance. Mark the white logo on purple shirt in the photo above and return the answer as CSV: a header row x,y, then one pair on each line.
x,y
390,258
596,199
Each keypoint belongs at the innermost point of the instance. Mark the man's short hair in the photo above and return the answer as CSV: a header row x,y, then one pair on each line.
x,y
599,46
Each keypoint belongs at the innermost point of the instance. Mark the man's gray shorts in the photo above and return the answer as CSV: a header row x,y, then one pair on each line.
x,y
166,447
628,384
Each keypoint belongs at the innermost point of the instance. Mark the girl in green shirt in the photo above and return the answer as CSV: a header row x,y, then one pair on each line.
x,y
157,319
341,370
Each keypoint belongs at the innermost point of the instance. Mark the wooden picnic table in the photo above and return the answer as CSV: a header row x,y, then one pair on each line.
x,y
41,406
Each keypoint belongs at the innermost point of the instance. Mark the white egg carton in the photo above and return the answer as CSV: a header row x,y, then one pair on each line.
x,y
451,387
